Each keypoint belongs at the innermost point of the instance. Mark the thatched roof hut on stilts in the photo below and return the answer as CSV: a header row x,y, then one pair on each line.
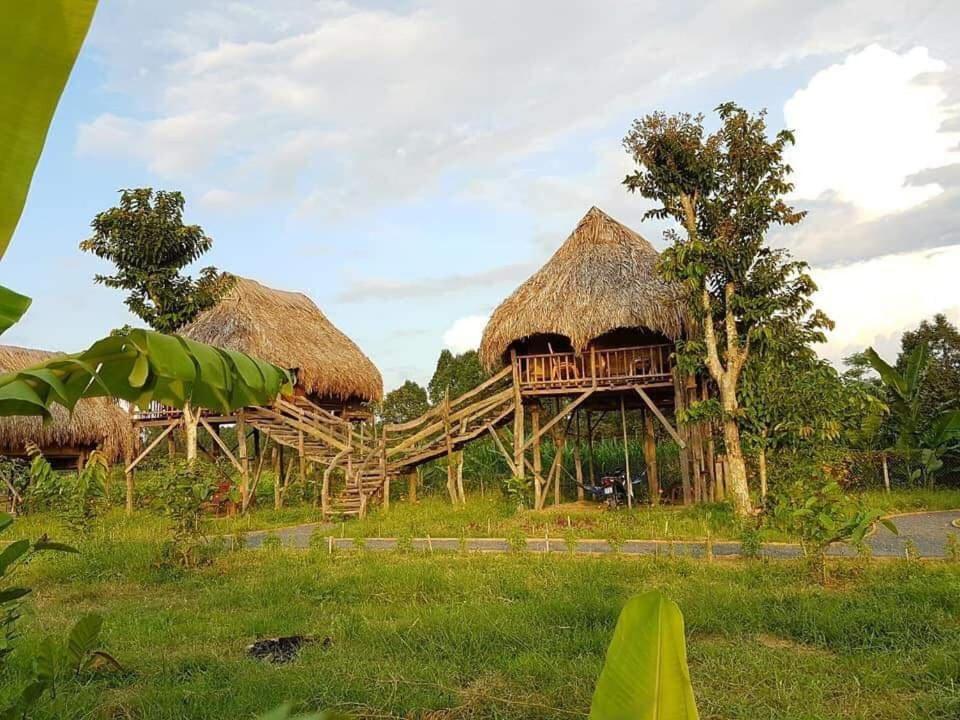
x,y
593,330
68,438
334,385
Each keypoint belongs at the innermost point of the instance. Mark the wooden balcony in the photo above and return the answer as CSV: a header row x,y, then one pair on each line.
x,y
556,373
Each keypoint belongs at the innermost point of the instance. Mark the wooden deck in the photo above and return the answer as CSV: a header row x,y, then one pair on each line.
x,y
612,369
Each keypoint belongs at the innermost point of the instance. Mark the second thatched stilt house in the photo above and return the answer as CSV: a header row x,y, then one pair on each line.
x,y
593,330
68,438
289,330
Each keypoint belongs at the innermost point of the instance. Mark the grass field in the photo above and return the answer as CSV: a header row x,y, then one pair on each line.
x,y
456,636
493,515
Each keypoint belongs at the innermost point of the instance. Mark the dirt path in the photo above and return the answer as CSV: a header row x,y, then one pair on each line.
x,y
927,531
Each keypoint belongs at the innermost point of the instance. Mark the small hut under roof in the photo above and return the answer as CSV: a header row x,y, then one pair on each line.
x,y
96,423
600,285
289,330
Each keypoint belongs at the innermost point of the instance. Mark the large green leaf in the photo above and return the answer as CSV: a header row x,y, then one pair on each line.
x,y
143,366
645,676
83,639
39,42
12,307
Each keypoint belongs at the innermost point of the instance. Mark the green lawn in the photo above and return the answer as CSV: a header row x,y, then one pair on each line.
x,y
515,636
493,515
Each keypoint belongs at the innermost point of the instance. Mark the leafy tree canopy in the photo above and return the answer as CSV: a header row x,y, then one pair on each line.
x,y
455,374
404,403
147,241
940,389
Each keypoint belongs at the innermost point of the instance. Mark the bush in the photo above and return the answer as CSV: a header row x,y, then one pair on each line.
x,y
182,496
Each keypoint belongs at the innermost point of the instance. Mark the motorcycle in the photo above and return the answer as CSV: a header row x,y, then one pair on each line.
x,y
612,489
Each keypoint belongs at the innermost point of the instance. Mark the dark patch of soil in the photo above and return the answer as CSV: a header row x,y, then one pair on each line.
x,y
282,649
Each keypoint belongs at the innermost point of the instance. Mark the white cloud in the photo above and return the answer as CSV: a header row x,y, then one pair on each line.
x,y
465,333
865,125
420,90
874,301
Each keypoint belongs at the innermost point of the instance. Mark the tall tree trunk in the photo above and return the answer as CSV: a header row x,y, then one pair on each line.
x,y
762,469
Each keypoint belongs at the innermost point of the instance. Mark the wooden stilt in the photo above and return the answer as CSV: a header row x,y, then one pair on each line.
x,y
590,468
537,459
241,430
518,422
650,457
578,462
626,453
679,404
277,479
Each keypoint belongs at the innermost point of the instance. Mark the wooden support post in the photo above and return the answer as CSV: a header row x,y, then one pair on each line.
x,y
886,473
650,457
171,447
590,468
578,462
241,430
277,473
679,406
518,452
537,459
448,440
191,419
302,459
412,485
626,452
384,477
156,441
762,471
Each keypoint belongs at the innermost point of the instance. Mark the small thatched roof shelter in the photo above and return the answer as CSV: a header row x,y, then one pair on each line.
x,y
288,329
603,278
96,423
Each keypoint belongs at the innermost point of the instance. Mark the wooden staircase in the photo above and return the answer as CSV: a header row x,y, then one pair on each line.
x,y
369,465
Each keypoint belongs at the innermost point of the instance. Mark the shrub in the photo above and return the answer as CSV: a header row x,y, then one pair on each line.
x,y
182,497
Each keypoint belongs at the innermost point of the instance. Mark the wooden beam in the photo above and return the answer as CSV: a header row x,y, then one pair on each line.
x,y
222,445
656,411
569,408
503,450
152,445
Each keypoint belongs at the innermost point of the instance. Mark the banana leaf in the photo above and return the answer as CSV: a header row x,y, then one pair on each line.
x,y
645,675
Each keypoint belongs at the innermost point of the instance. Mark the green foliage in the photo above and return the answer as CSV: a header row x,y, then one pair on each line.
x,y
922,443
517,540
78,496
39,43
751,540
519,490
145,238
455,375
726,190
188,487
15,477
405,403
142,366
820,513
645,674
12,558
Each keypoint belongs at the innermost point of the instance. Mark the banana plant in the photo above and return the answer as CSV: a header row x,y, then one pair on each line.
x,y
645,675
923,445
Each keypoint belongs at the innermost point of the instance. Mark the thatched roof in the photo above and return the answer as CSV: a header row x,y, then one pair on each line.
x,y
603,277
95,422
288,329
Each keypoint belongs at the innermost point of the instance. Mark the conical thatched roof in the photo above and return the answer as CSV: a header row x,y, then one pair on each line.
x,y
602,278
288,329
95,422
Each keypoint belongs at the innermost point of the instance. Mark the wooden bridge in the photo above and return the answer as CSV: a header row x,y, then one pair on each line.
x,y
369,463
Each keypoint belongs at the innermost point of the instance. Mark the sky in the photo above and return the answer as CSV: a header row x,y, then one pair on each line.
x,y
408,164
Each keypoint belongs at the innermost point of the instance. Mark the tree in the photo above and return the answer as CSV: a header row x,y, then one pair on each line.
x,y
145,238
923,443
455,374
940,386
404,403
726,190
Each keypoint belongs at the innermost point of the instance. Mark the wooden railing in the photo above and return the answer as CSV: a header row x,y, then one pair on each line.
x,y
611,367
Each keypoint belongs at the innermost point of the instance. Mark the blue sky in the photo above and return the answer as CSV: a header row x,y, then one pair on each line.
x,y
408,164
